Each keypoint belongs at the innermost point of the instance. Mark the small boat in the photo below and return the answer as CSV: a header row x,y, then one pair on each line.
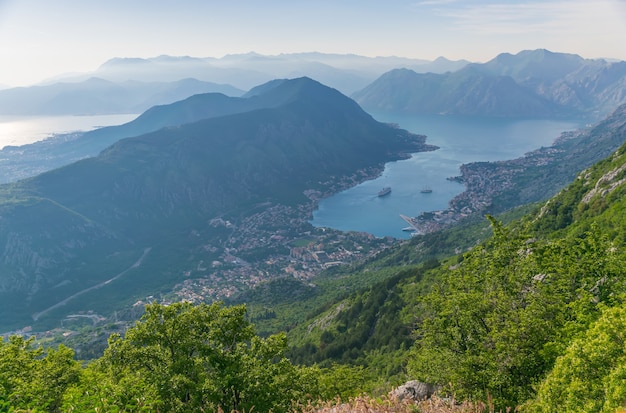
x,y
385,191
426,190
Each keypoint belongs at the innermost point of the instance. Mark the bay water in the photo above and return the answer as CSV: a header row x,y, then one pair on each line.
x,y
461,140
22,130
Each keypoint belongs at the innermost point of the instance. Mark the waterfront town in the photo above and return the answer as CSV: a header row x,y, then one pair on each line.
x,y
279,241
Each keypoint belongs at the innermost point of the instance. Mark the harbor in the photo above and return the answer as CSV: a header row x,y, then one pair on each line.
x,y
421,188
427,222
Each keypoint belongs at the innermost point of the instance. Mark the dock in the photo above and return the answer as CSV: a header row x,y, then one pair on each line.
x,y
412,223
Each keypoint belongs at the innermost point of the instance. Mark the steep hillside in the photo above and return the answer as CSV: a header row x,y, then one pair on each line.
x,y
525,296
29,160
148,194
494,187
465,92
532,83
494,322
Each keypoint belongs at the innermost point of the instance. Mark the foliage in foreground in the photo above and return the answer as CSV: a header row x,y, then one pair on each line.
x,y
526,317
177,358
30,379
200,358
591,375
496,324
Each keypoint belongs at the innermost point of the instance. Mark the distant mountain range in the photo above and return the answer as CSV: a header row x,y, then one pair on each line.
x,y
29,160
132,85
96,96
466,92
532,83
536,83
344,72
144,204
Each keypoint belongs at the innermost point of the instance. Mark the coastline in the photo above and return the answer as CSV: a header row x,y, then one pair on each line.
x,y
497,186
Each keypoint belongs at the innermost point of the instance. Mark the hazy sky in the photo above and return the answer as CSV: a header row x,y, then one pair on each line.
x,y
44,38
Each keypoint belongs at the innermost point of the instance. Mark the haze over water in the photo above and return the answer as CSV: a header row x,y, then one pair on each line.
x,y
22,130
461,140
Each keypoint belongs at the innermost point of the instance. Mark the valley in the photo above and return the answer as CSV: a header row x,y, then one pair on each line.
x,y
270,240
92,288
216,204
276,241
179,257
273,241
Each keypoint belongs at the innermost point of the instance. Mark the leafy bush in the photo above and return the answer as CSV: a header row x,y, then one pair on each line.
x,y
591,376
31,378
205,357
495,324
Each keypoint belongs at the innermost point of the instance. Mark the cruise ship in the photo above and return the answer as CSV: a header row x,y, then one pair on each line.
x,y
385,191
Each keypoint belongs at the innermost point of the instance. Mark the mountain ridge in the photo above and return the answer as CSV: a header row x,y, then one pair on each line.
x,y
96,95
529,84
480,322
154,189
345,72
29,160
465,92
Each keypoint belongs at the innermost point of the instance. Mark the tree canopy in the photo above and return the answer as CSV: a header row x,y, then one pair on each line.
x,y
495,324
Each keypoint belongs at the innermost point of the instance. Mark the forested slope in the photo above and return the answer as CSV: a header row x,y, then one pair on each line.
x,y
515,319
531,318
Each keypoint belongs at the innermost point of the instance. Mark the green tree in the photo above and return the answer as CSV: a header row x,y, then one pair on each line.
x,y
591,376
205,357
17,360
476,336
97,390
495,324
33,379
340,380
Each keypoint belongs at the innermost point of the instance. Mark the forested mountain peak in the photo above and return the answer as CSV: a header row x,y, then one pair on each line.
x,y
261,152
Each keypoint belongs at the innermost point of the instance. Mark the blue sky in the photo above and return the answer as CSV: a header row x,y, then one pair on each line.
x,y
44,38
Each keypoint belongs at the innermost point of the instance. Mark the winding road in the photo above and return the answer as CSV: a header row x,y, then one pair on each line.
x,y
137,263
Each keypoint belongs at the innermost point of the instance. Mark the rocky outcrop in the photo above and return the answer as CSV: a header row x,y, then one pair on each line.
x,y
413,390
607,183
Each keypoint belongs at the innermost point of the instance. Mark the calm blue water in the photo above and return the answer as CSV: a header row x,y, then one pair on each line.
x,y
22,130
461,140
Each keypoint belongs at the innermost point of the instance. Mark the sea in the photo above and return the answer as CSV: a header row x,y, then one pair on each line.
x,y
22,130
460,140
